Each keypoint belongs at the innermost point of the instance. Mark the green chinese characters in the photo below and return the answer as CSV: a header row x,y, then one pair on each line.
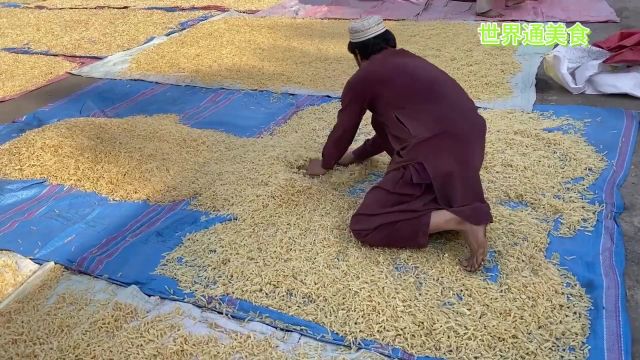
x,y
533,34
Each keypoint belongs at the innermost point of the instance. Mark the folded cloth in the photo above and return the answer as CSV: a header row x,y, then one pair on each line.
x,y
624,46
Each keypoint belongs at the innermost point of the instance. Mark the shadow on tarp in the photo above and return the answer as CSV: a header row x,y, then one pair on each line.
x,y
133,238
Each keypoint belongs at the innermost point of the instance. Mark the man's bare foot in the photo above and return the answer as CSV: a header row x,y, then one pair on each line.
x,y
476,238
491,14
510,3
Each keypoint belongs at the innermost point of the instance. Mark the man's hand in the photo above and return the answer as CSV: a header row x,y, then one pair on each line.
x,y
315,168
347,159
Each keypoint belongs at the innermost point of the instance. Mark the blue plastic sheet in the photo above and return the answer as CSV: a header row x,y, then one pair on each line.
x,y
596,257
123,242
241,113
10,5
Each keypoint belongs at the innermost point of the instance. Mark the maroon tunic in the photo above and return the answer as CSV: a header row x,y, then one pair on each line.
x,y
435,136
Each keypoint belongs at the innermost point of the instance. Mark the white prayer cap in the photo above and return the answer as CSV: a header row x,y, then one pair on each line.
x,y
366,28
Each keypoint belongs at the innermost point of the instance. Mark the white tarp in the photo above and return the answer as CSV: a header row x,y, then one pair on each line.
x,y
581,70
25,266
202,322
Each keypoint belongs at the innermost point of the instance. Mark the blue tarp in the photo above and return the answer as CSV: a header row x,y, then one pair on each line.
x,y
241,113
596,257
121,241
10,5
124,241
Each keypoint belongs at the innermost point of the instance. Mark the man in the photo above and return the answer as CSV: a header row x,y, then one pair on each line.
x,y
431,129
484,8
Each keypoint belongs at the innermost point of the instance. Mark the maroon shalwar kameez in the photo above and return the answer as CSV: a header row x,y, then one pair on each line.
x,y
431,129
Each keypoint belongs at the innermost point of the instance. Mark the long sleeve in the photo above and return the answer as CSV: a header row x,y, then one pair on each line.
x,y
354,106
370,148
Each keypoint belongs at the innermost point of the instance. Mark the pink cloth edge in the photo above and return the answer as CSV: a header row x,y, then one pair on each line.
x,y
79,61
541,10
210,7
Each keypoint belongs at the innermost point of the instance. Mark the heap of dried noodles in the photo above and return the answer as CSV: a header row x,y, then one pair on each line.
x,y
311,55
291,250
85,32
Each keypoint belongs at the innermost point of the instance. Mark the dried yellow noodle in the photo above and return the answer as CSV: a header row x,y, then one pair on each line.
x,y
10,276
74,324
285,54
291,250
85,32
26,72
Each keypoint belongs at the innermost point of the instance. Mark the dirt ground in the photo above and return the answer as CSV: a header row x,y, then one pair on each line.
x,y
548,92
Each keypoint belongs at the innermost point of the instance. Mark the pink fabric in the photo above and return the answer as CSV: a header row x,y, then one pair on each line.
x,y
625,46
177,8
345,9
629,56
537,10
80,62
